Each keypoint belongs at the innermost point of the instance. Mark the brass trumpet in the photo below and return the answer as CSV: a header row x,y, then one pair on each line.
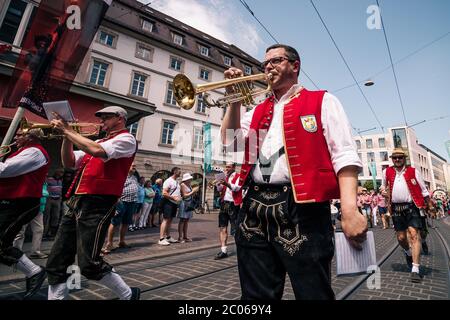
x,y
25,126
243,92
4,150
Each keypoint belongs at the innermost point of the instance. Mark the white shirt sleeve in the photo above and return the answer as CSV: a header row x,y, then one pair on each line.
x,y
27,161
78,157
337,132
234,186
422,185
121,146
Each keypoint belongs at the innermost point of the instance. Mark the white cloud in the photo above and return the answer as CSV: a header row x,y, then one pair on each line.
x,y
218,18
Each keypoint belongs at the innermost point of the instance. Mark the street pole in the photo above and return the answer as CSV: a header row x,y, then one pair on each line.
x,y
13,126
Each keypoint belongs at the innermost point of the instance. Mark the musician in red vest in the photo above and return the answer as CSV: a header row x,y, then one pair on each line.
x,y
22,176
103,166
298,154
408,201
230,203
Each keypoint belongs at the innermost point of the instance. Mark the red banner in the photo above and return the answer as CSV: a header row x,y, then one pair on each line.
x,y
52,52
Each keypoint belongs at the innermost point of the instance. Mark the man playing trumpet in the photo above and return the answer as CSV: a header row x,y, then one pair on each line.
x,y
103,166
22,176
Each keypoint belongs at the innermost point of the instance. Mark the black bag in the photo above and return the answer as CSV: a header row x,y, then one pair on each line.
x,y
189,205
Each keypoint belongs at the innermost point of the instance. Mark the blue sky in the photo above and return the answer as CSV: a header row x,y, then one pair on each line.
x,y
423,78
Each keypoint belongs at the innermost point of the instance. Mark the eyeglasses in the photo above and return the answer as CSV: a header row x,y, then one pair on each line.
x,y
274,62
107,116
398,158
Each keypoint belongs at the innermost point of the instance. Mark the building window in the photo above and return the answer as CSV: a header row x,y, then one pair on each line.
x,y
147,25
170,97
360,156
138,85
227,60
358,144
107,39
177,39
143,52
204,51
98,74
384,156
247,70
370,157
204,74
381,143
10,29
198,138
369,144
201,106
167,132
133,128
175,63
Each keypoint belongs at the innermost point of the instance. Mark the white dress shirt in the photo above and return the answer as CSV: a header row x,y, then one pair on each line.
x,y
229,191
336,130
27,161
400,192
121,146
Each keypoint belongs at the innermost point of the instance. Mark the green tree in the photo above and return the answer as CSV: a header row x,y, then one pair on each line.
x,y
368,185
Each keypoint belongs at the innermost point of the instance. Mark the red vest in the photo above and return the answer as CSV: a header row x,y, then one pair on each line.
x,y
27,185
102,178
312,175
237,195
411,182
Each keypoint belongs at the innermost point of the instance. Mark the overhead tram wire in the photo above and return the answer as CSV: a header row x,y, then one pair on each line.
x,y
348,67
398,61
246,6
392,64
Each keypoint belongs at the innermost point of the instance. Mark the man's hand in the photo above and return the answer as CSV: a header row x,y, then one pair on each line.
x,y
354,226
232,73
59,123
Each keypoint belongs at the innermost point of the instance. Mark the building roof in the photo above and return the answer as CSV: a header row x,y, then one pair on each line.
x,y
432,152
129,14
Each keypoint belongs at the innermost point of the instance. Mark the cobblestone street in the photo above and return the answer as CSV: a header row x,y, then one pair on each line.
x,y
188,271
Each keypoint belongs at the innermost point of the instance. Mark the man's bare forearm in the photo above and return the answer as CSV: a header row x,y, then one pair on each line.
x,y
231,120
348,185
84,144
67,155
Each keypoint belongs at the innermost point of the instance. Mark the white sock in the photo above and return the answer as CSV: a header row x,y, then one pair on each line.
x,y
58,291
415,267
224,249
407,252
27,266
114,282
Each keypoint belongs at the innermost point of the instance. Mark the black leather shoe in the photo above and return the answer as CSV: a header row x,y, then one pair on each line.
x,y
221,255
415,277
135,293
409,261
425,247
34,283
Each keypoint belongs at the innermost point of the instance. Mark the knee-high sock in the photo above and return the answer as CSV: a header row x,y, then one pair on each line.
x,y
115,282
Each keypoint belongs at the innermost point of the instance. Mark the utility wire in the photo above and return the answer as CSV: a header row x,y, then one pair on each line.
x,y
392,65
348,67
246,6
397,62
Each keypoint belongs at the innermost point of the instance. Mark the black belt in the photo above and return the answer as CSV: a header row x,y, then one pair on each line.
x,y
402,206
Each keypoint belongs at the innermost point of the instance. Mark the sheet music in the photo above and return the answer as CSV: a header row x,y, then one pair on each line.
x,y
60,107
352,261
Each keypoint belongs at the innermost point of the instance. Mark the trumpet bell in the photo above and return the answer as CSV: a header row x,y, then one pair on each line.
x,y
184,91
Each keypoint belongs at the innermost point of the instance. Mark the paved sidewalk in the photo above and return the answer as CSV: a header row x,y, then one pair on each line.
x,y
203,230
